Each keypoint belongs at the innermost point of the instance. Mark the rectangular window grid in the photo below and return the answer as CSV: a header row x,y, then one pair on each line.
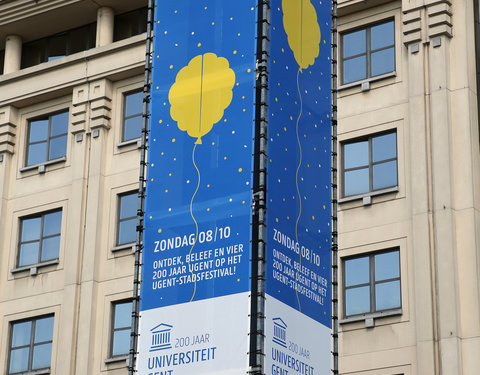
x,y
30,345
47,138
369,164
372,283
58,45
368,52
132,115
39,238
121,327
127,218
130,24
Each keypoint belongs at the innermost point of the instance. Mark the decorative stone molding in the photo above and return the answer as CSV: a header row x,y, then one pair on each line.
x,y
8,129
439,19
412,27
438,22
79,109
101,94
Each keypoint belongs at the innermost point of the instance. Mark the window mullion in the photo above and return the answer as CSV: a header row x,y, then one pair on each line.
x,y
372,283
32,340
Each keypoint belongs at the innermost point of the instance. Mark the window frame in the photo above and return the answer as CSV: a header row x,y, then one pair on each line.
x,y
368,53
125,117
139,26
90,41
31,345
371,191
47,161
114,304
119,245
41,215
371,284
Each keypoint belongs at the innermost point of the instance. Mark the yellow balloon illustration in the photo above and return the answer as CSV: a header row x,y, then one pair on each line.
x,y
301,25
201,93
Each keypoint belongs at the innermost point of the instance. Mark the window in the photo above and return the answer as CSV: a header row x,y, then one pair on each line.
x,y
127,218
368,52
58,45
30,345
121,326
2,61
39,238
372,283
369,164
130,24
47,138
132,115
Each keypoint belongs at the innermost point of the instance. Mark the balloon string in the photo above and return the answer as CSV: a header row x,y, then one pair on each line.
x,y
298,189
195,221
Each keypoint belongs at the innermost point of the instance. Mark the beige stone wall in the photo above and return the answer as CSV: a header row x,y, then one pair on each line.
x,y
78,289
433,217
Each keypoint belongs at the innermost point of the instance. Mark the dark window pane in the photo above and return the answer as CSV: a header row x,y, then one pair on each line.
x,y
357,271
127,231
57,47
33,53
50,247
130,24
383,62
387,295
386,266
357,300
356,182
123,315
355,154
134,104
354,43
41,356
133,128
354,69
382,35
384,147
79,40
128,205
21,334
19,360
2,59
31,229
38,131
44,329
37,153
58,147
385,175
52,223
28,254
121,342
59,124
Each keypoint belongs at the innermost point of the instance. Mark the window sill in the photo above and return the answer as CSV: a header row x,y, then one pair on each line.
x,y
369,194
369,318
366,82
126,246
42,166
137,141
33,268
119,358
35,372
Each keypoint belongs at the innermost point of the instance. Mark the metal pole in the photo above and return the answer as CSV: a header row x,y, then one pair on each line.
x,y
257,338
334,194
141,194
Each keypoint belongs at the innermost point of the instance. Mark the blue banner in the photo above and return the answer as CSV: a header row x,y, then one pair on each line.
x,y
298,253
198,204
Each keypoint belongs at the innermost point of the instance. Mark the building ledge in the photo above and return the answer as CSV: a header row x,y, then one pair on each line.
x,y
370,317
365,83
42,166
135,141
117,359
33,268
366,197
127,246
